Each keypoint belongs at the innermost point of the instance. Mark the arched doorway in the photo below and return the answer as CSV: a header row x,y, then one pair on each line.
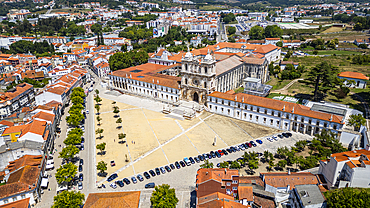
x,y
196,97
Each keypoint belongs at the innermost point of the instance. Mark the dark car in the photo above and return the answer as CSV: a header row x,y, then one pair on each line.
x,y
157,171
172,166
81,161
254,144
168,169
139,177
228,150
126,181
58,130
191,160
120,183
150,185
225,152
209,156
146,175
81,177
280,136
80,168
201,158
152,173
196,159
133,179
218,154
112,177
289,134
162,170
182,163
213,154
82,140
177,165
259,141
285,135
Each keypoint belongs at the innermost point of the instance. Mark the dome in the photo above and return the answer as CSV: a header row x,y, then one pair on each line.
x,y
188,55
208,57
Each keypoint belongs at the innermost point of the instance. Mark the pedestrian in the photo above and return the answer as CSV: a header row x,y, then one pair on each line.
x,y
114,140
126,145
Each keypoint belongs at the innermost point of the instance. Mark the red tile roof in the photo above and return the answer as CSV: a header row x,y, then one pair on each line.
x,y
284,179
214,196
217,174
31,160
354,75
245,192
7,123
23,203
113,200
277,105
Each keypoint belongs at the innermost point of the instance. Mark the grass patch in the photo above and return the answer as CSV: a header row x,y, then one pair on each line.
x,y
336,52
239,90
211,8
277,84
72,10
333,29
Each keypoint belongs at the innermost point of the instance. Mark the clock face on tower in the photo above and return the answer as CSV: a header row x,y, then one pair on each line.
x,y
195,81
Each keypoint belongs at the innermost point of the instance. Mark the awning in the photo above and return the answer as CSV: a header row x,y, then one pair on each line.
x,y
44,182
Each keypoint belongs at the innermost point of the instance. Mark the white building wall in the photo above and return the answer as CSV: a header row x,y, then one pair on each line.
x,y
46,97
18,197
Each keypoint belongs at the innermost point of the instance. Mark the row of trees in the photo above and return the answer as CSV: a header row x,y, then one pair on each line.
x,y
271,31
361,23
68,171
136,33
361,59
25,47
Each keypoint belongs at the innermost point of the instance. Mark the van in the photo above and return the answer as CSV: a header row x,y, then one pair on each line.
x,y
150,185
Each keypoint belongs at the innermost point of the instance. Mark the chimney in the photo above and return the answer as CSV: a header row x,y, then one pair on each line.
x,y
331,118
153,81
130,76
236,98
225,171
293,110
288,171
243,99
157,81
206,173
284,108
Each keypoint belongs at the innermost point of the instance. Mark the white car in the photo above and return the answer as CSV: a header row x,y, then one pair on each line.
x,y
80,187
275,137
113,185
87,111
269,139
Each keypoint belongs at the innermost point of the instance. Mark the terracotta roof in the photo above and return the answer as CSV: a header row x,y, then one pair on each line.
x,y
113,200
354,75
214,196
277,105
265,49
23,203
343,156
7,123
256,61
264,202
53,103
20,181
245,192
36,127
217,174
148,73
31,160
44,116
57,90
14,129
284,179
19,89
222,203
272,38
251,180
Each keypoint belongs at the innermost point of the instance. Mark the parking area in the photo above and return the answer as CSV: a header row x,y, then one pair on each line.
x,y
154,140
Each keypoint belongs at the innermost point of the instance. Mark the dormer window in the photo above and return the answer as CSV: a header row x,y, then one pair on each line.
x,y
205,70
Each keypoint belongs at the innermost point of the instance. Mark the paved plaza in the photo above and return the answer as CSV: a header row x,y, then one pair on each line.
x,y
154,140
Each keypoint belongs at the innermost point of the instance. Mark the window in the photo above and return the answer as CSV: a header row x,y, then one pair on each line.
x,y
246,107
295,118
286,124
6,201
205,84
238,105
245,115
215,108
23,196
256,118
317,123
279,115
205,70
228,184
186,81
222,110
272,113
228,111
271,121
250,116
287,116
14,198
235,188
302,119
235,182
264,120
258,110
222,102
238,113
210,106
265,111
335,126
277,123
309,121
325,125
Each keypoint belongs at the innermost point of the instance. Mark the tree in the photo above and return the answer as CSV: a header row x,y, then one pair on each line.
x,y
300,145
347,197
115,110
363,46
121,136
76,108
68,199
356,121
96,28
256,33
273,31
72,139
65,173
74,119
99,131
266,154
97,91
235,165
101,147
78,92
97,99
206,164
224,164
69,152
77,131
253,164
315,52
282,163
77,100
163,196
271,164
119,121
97,107
324,77
102,166
231,30
98,118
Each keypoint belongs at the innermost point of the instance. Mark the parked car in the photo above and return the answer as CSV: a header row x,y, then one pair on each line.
x,y
150,185
252,143
133,179
280,136
140,177
172,166
289,134
187,161
81,161
225,152
177,165
248,144
191,160
218,154
82,140
162,170
126,181
146,175
113,185
221,153
259,141
112,177
201,158
81,177
168,169
275,138
269,139
157,171
120,183
196,159
182,163
112,163
152,173
80,168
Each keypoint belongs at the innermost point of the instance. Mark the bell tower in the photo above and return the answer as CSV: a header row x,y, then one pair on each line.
x,y
198,77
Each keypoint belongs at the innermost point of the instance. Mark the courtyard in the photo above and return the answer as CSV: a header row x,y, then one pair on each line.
x,y
154,140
